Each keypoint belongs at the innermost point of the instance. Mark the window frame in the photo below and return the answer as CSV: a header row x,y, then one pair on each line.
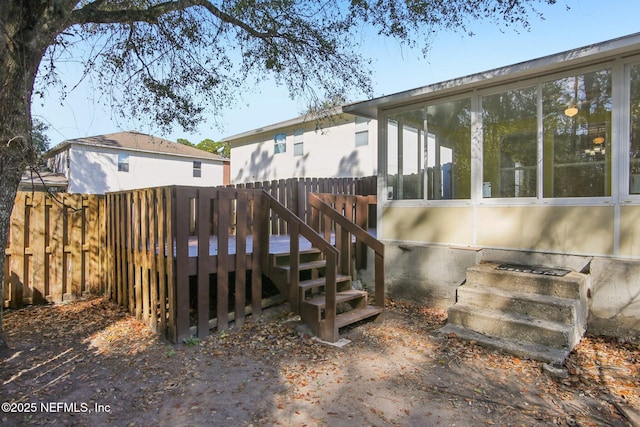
x,y
279,143
123,162
620,127
361,128
383,152
197,169
298,142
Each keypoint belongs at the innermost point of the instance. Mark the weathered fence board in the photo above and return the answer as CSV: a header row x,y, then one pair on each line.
x,y
55,249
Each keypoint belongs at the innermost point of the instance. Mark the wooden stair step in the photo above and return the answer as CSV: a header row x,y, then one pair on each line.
x,y
321,281
310,265
344,296
356,315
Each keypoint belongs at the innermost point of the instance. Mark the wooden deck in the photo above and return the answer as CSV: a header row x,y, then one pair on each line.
x,y
223,241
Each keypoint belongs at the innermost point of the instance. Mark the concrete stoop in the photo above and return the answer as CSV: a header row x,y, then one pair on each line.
x,y
536,316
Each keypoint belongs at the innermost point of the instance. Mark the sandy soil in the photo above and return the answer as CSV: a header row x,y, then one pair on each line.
x,y
90,363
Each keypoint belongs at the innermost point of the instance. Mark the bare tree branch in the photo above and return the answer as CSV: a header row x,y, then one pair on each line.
x,y
96,13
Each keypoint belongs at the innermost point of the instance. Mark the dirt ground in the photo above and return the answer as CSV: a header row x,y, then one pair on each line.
x,y
90,363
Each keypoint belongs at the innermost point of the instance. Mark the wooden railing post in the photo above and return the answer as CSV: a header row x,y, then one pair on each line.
x,y
344,227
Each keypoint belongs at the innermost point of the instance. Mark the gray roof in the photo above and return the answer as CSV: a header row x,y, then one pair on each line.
x,y
137,141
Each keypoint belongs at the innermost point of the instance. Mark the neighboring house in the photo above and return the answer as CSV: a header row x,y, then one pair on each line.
x,y
336,145
533,163
43,181
129,160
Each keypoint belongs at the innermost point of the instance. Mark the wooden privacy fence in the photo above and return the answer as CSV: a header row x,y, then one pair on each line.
x,y
56,248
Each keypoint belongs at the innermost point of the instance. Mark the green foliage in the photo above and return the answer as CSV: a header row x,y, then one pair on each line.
x,y
220,148
185,142
177,63
191,341
210,146
39,138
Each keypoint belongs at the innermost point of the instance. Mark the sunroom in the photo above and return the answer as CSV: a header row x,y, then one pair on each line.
x,y
536,163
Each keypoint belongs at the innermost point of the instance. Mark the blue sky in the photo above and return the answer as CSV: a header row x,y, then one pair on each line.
x,y
395,69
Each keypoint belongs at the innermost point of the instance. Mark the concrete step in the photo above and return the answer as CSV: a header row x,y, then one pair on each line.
x,y
547,307
512,326
572,285
521,349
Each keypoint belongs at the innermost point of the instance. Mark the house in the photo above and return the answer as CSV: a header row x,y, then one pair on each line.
x,y
33,180
129,160
536,163
334,145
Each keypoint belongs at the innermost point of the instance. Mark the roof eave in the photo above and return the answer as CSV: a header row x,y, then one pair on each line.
x,y
305,118
600,52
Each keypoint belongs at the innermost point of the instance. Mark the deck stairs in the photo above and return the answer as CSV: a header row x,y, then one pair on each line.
x,y
532,315
307,295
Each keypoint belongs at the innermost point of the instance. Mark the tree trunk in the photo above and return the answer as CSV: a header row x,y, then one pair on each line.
x,y
28,28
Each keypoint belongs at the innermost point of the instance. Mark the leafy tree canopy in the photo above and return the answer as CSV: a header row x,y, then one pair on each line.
x,y
177,61
210,146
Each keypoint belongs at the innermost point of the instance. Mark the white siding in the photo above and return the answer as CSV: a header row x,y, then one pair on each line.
x,y
94,170
328,152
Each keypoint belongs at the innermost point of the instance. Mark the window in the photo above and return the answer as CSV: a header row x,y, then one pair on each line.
x,y
298,142
429,152
577,135
280,143
449,150
123,162
634,131
405,155
510,143
197,169
362,131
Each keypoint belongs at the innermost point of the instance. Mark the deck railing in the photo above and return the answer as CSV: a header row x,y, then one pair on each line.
x,y
165,271
293,193
298,228
338,214
163,268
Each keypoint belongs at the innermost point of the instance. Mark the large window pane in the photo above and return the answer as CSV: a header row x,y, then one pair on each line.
x,y
405,155
448,159
577,135
509,128
634,142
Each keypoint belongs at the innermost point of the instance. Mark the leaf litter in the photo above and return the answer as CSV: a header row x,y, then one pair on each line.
x,y
396,371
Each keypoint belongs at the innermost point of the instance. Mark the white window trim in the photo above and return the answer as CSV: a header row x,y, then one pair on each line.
x,y
620,75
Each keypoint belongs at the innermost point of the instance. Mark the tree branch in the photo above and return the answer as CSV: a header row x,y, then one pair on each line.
x,y
94,13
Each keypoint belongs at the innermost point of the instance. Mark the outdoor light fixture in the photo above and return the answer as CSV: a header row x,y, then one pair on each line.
x,y
571,111
599,138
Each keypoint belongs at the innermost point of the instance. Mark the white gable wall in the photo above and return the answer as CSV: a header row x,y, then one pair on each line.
x,y
94,170
327,153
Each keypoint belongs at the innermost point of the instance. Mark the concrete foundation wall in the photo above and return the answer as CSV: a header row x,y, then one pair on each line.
x,y
430,275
